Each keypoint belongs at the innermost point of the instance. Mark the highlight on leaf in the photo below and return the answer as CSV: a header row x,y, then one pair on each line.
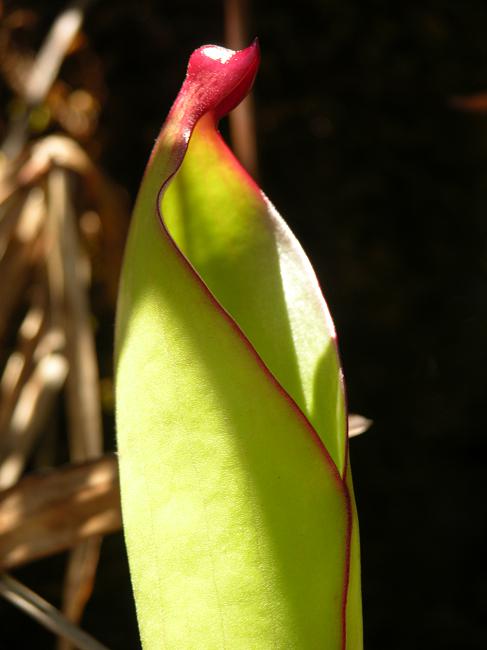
x,y
237,497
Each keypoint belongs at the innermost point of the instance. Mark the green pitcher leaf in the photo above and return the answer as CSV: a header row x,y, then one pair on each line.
x,y
237,499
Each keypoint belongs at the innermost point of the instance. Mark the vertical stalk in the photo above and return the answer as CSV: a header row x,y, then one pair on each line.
x,y
242,118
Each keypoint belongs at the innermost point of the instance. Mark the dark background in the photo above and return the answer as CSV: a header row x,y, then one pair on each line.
x,y
384,182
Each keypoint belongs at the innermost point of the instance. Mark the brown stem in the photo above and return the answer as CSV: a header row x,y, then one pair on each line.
x,y
242,118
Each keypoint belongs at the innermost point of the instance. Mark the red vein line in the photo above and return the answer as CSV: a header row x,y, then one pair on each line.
x,y
178,153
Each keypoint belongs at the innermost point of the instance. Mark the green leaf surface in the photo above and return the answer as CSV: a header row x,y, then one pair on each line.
x,y
236,496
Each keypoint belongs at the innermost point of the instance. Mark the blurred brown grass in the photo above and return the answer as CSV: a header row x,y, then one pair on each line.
x,y
62,229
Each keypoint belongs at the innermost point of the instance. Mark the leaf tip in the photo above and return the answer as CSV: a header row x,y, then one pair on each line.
x,y
223,77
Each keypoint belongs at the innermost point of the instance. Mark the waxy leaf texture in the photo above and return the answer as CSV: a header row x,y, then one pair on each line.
x,y
237,498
